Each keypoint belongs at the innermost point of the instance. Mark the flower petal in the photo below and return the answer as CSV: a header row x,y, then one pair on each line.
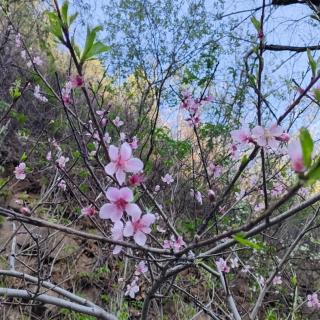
x,y
110,211
140,238
134,165
126,194
148,219
121,176
276,130
125,151
117,249
113,194
110,168
133,210
128,229
113,153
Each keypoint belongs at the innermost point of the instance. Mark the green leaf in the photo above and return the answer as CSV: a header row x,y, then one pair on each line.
x,y
96,49
317,94
91,147
90,39
242,240
64,12
312,62
256,23
55,25
244,159
24,157
314,175
307,146
72,18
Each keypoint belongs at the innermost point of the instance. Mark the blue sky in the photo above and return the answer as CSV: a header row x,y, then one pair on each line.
x,y
288,25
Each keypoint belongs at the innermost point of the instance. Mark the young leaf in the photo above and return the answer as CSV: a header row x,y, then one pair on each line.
x,y
55,25
64,12
90,39
312,62
307,146
256,23
24,157
242,240
96,49
314,175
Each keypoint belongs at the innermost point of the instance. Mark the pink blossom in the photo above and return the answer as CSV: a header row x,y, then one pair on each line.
x,y
222,266
313,301
285,137
62,185
76,81
62,161
19,171
214,170
120,201
38,95
117,235
136,179
49,156
241,136
138,227
260,35
89,211
107,138
117,122
66,95
157,188
18,40
234,151
56,145
194,120
23,54
267,137
246,268
277,280
234,262
141,268
132,289
208,98
167,179
37,61
25,210
121,162
174,243
100,113
296,156
134,143
196,195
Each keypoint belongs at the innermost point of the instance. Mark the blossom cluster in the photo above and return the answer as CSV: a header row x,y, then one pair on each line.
x,y
192,106
270,138
121,200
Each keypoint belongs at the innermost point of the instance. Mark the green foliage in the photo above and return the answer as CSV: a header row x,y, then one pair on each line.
x,y
256,23
170,148
247,243
24,157
15,89
123,313
75,315
307,146
312,63
19,116
92,47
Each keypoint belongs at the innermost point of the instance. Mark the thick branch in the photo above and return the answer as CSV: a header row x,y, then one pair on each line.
x,y
24,294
